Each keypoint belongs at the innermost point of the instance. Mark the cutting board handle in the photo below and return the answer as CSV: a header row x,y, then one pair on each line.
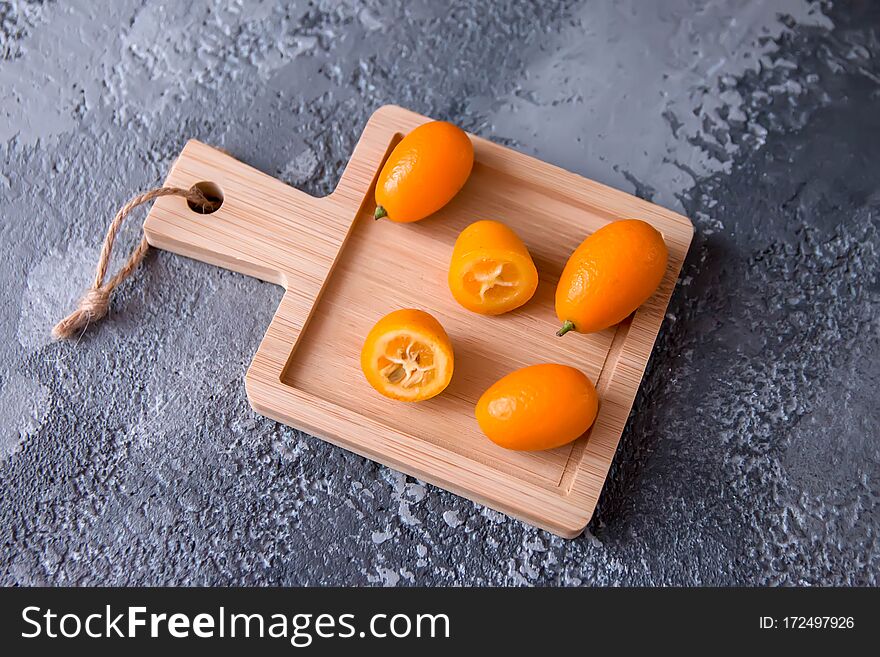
x,y
264,227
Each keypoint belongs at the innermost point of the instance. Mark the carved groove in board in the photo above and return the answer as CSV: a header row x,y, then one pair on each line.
x,y
579,447
395,139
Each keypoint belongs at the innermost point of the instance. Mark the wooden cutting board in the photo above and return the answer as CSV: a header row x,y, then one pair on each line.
x,y
342,271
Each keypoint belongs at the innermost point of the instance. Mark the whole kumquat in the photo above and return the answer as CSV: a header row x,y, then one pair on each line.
x,y
613,272
424,172
538,407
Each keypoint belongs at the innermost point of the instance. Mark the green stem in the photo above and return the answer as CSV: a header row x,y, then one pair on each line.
x,y
380,212
567,326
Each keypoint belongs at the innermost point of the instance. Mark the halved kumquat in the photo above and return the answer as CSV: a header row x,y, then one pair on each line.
x,y
408,356
491,271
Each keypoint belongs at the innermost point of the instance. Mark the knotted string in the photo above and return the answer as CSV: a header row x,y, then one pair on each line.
x,y
96,301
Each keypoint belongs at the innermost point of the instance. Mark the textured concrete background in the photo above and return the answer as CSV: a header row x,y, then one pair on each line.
x,y
753,455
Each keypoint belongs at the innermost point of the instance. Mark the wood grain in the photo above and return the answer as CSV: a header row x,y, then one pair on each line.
x,y
342,271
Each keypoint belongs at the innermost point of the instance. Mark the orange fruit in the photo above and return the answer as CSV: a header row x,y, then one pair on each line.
x,y
407,356
538,407
491,271
613,272
424,172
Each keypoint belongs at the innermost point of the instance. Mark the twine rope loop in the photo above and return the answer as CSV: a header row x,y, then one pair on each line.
x,y
95,303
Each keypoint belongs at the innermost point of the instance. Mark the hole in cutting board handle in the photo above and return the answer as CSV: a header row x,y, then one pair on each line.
x,y
212,193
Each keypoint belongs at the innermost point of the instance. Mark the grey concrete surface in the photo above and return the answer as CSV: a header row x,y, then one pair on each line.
x,y
752,455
